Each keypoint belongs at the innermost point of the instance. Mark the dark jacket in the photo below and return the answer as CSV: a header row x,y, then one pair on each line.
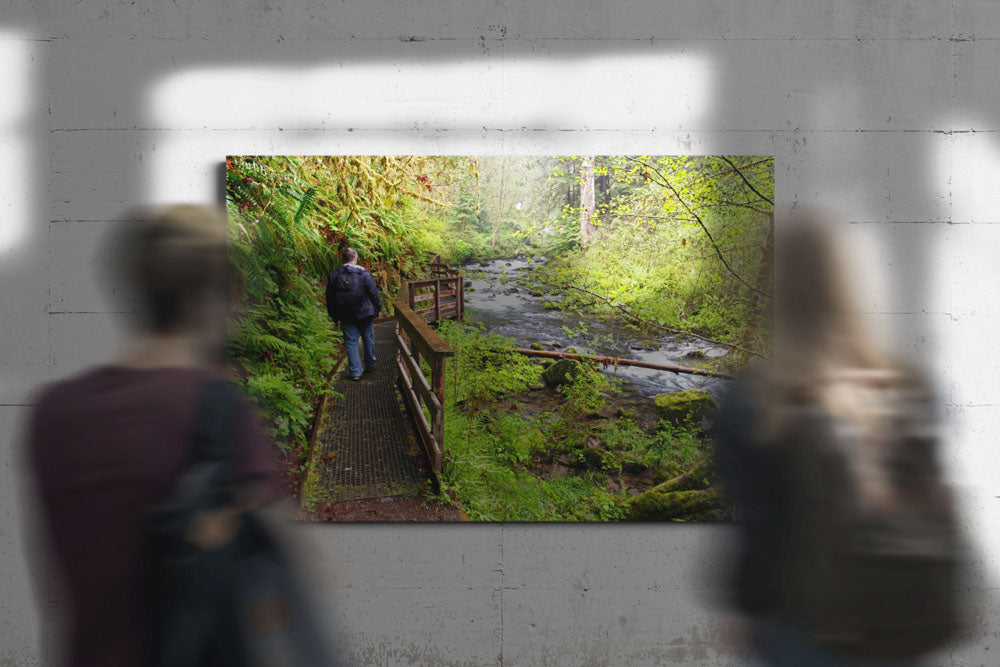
x,y
370,306
756,480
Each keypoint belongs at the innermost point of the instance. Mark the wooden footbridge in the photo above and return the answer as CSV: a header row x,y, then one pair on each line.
x,y
385,436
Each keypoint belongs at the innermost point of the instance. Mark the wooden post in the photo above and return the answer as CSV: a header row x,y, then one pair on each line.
x,y
410,296
461,295
437,386
437,299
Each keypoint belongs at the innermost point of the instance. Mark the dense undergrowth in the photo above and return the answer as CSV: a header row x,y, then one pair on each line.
x,y
503,465
288,218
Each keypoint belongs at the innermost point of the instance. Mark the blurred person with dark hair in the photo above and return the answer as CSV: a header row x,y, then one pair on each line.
x,y
352,299
849,548
110,444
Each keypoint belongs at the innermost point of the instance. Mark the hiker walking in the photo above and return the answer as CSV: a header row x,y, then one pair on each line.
x,y
353,300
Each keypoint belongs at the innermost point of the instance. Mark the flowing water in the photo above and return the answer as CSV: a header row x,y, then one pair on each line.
x,y
507,308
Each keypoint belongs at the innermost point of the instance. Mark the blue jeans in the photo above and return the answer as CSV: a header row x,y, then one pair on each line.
x,y
365,329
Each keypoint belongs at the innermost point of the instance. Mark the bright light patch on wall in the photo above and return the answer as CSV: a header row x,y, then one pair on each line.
x,y
14,170
639,91
975,173
621,91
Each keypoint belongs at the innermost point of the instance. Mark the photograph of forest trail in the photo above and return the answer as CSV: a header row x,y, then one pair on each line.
x,y
554,334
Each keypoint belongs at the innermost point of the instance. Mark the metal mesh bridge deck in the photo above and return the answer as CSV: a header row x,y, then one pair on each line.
x,y
365,446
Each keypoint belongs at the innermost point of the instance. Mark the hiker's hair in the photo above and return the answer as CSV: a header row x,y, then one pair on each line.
x,y
818,322
348,255
172,260
823,352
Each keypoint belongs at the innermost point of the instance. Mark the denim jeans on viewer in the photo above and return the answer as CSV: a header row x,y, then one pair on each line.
x,y
364,329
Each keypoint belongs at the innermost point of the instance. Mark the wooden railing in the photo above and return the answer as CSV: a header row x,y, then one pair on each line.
x,y
419,303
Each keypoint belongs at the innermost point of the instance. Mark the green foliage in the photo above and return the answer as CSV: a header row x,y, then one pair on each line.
x,y
662,224
485,366
288,217
486,446
664,227
678,447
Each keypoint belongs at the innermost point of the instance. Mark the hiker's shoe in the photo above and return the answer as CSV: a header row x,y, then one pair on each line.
x,y
370,369
355,377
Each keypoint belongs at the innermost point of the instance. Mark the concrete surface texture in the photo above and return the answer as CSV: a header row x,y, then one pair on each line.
x,y
887,112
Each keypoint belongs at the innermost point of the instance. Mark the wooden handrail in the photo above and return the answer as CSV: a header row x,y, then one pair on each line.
x,y
417,341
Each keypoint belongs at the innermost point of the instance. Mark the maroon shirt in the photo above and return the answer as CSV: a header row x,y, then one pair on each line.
x,y
106,447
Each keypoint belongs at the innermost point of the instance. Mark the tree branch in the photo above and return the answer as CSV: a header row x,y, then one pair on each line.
x,y
666,183
749,184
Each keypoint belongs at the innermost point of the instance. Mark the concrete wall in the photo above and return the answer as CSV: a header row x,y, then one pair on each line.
x,y
888,112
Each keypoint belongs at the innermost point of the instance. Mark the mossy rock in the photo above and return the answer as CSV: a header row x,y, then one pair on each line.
x,y
600,459
537,292
695,354
681,408
548,305
560,372
692,505
571,350
537,346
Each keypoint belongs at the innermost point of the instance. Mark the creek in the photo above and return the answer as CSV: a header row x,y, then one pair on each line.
x,y
499,295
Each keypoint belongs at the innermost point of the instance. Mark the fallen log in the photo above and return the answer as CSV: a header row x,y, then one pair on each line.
x,y
692,505
617,361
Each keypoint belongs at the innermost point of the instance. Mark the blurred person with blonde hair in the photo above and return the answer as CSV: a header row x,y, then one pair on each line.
x,y
849,548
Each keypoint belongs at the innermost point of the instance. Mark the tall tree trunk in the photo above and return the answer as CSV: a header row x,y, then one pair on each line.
x,y
498,222
586,200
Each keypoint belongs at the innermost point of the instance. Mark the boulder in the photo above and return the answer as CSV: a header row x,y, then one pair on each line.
x,y
682,408
647,345
559,372
537,346
695,354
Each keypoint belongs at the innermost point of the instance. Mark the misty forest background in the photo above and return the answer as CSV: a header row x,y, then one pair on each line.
x,y
659,243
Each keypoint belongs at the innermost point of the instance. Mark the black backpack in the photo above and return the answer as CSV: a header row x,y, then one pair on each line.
x,y
237,605
873,569
349,291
